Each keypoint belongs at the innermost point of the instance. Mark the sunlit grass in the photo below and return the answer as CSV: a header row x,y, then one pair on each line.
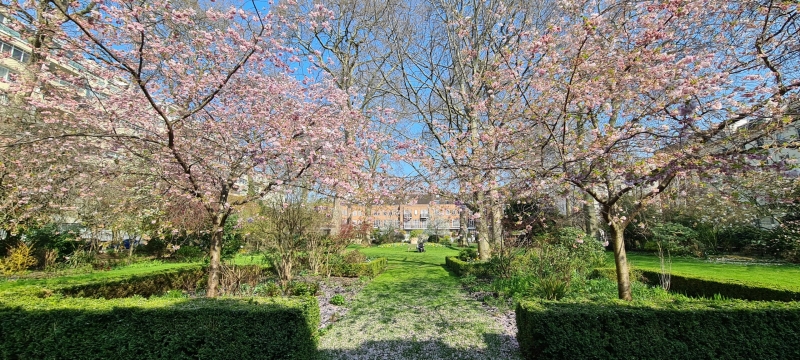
x,y
96,275
786,276
416,310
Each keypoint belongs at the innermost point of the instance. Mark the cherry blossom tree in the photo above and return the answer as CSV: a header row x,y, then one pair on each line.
x,y
627,96
198,97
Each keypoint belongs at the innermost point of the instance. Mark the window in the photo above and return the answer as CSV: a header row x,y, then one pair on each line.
x,y
5,74
14,52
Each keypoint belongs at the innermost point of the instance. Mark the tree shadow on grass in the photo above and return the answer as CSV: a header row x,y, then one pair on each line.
x,y
497,346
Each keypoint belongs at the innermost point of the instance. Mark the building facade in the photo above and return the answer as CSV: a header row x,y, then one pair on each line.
x,y
429,214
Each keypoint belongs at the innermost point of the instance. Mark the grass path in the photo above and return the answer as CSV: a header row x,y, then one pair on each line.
x,y
416,310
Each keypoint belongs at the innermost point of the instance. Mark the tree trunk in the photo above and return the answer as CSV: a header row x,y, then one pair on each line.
x,y
497,220
463,220
216,254
482,228
285,270
336,216
591,217
621,262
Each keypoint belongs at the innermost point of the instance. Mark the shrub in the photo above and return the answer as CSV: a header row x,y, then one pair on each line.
x,y
302,288
736,238
19,259
49,237
514,287
262,328
657,330
142,285
369,269
269,288
501,264
676,239
155,247
553,288
783,242
468,254
355,257
337,300
381,237
461,268
189,253
81,258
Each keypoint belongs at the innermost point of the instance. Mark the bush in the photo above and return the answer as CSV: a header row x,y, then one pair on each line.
x,y
262,328
337,300
675,239
302,288
19,259
355,257
553,288
417,233
468,254
783,242
502,263
663,330
81,258
189,253
370,269
154,247
461,268
142,285
514,287
49,237
737,238
269,288
380,237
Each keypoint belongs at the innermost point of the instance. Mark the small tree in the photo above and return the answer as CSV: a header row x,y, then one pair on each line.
x,y
288,226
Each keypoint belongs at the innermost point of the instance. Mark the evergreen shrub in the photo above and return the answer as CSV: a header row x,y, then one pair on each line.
x,y
158,328
614,329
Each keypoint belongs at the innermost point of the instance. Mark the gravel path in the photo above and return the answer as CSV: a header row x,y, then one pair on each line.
x,y
417,310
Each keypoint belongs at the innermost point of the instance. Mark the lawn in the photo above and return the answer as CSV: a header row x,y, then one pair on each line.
x,y
97,275
785,276
415,310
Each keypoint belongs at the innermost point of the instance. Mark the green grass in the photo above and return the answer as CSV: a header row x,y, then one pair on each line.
x,y
415,310
769,275
98,275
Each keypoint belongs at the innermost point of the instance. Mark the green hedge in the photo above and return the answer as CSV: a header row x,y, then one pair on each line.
x,y
697,286
682,330
460,267
702,287
158,328
371,269
143,285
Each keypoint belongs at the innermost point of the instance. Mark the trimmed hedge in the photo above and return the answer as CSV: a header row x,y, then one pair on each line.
x,y
701,287
680,330
371,269
144,285
138,328
461,267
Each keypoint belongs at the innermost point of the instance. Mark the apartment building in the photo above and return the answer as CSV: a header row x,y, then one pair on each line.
x,y
431,214
15,53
